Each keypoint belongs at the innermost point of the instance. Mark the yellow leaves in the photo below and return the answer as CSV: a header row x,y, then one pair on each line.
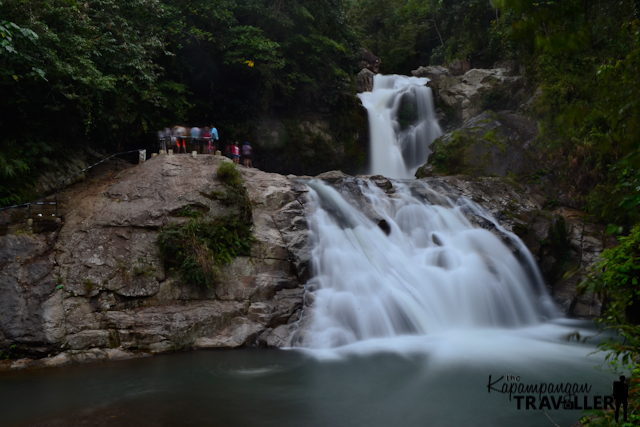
x,y
249,63
15,77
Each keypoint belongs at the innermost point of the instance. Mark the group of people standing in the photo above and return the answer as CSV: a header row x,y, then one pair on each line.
x,y
203,141
232,151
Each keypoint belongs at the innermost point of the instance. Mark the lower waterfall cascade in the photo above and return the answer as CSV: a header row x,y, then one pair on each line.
x,y
434,272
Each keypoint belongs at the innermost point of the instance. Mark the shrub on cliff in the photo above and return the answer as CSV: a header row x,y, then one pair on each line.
x,y
199,248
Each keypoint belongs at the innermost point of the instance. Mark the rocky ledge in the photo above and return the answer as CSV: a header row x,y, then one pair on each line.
x,y
97,288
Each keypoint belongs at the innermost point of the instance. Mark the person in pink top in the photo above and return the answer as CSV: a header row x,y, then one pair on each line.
x,y
235,151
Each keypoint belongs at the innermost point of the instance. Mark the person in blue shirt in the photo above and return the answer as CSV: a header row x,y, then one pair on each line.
x,y
214,137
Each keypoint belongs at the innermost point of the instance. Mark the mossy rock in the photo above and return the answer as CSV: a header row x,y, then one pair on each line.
x,y
491,144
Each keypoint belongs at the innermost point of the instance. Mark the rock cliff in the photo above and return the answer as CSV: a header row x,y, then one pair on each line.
x,y
97,289
99,282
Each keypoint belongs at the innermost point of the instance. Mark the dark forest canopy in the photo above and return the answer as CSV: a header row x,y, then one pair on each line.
x,y
108,73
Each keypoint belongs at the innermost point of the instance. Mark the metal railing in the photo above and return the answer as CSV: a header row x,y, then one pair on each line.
x,y
63,185
172,140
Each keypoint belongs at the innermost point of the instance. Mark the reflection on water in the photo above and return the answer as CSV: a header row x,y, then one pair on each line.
x,y
435,382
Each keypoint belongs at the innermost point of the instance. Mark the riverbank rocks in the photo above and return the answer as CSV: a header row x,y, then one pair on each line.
x,y
491,144
99,281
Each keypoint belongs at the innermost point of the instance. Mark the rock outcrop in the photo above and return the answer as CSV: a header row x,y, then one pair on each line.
x,y
369,61
99,281
466,96
364,80
435,73
491,144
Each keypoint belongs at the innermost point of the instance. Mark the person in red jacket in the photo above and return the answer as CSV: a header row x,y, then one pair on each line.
x,y
235,151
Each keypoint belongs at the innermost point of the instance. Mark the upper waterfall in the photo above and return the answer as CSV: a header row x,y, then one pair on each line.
x,y
402,124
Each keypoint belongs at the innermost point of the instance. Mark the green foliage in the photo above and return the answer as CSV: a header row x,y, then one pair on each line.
x,y
189,213
201,246
452,155
449,158
109,73
7,355
235,194
198,249
229,174
616,280
585,56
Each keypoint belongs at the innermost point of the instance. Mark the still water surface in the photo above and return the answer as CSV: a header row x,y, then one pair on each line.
x,y
435,381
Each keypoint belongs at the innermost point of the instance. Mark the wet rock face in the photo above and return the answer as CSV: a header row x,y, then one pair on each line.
x,y
491,144
310,143
99,282
26,289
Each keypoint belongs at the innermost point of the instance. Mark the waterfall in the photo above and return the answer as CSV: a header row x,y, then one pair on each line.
x,y
402,124
433,272
421,268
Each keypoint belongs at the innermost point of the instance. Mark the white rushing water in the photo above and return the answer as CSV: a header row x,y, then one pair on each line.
x,y
432,282
402,124
433,273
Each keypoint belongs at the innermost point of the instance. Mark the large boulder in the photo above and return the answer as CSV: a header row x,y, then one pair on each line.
x,y
364,80
435,73
459,67
369,60
491,144
100,282
466,96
